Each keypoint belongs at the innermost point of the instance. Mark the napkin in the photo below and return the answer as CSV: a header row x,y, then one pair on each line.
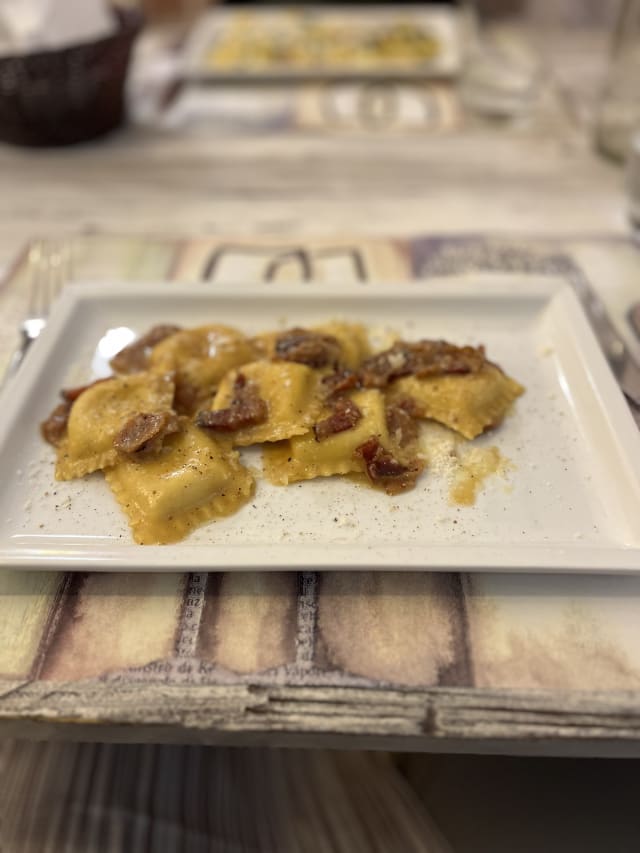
x,y
31,25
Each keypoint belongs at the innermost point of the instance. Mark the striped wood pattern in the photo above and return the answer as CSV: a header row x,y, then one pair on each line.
x,y
386,658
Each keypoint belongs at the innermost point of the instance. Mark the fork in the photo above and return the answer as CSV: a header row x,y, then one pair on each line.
x,y
49,269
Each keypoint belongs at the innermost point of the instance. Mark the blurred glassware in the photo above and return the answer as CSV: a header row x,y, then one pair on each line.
x,y
632,182
500,75
523,51
619,110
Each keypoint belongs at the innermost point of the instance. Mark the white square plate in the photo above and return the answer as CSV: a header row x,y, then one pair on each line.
x,y
572,497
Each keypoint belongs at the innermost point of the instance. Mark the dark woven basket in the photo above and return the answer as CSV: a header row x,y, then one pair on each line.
x,y
59,97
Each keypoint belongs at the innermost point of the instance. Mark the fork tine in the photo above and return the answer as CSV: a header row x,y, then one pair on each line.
x,y
64,270
49,270
53,278
51,275
35,280
69,272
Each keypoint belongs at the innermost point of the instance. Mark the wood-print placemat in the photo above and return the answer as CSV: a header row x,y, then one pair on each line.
x,y
415,660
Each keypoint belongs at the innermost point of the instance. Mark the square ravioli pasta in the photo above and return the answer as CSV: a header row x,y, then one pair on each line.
x,y
98,415
192,480
198,359
345,344
291,394
468,403
303,457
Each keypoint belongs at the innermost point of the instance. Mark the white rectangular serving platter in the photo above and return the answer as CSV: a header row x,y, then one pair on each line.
x,y
443,22
570,501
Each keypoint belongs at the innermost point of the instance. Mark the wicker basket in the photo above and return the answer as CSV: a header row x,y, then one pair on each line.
x,y
59,97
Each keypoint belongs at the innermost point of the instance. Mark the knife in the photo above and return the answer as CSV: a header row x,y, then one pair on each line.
x,y
625,368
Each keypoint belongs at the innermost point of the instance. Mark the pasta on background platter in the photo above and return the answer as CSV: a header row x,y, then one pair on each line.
x,y
167,430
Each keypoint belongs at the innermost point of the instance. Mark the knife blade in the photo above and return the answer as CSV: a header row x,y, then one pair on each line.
x,y
624,367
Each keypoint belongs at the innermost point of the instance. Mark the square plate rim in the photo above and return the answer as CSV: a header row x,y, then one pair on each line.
x,y
531,557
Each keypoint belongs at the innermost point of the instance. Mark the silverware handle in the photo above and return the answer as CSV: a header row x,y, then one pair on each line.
x,y
16,360
608,336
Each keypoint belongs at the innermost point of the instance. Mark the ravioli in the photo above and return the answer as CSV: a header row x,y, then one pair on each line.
x,y
291,392
352,340
98,415
303,457
468,403
200,358
191,481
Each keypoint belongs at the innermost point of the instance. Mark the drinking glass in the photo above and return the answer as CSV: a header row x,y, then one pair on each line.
x,y
619,111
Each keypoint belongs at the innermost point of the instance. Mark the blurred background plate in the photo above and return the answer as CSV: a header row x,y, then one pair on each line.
x,y
325,42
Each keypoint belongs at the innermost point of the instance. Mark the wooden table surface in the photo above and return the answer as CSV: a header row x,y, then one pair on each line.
x,y
413,661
